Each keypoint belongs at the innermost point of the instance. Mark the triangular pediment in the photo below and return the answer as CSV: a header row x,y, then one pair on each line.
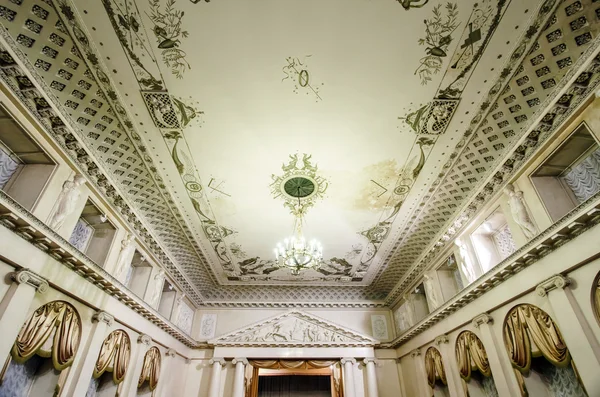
x,y
294,328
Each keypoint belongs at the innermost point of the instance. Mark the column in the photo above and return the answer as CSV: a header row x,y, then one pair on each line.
x,y
348,364
78,379
422,386
502,369
401,377
450,366
238,378
582,344
215,376
371,377
14,306
130,383
165,368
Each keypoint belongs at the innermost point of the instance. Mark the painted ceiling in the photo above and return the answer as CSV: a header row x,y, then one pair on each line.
x,y
199,112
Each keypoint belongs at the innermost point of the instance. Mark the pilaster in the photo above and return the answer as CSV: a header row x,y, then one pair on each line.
x,y
132,376
575,329
450,366
15,305
502,369
166,367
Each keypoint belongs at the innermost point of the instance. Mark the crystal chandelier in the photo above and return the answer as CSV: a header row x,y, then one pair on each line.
x,y
295,253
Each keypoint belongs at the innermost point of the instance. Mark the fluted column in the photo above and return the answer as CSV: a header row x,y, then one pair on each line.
x,y
238,378
14,306
215,376
502,369
348,364
575,329
371,377
78,380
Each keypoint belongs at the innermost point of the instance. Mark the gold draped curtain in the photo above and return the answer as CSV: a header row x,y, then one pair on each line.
x,y
255,365
151,368
525,324
114,356
58,319
291,364
469,351
434,367
596,297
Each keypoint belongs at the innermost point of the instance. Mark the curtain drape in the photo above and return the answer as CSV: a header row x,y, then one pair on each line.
x,y
114,356
291,364
526,323
57,318
596,297
469,351
151,368
434,367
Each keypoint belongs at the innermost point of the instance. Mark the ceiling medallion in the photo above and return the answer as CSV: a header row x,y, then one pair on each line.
x,y
299,187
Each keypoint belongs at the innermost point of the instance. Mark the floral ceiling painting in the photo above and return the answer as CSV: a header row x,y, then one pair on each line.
x,y
221,103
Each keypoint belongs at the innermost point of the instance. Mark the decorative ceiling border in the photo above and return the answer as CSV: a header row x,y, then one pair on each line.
x,y
576,222
576,86
413,248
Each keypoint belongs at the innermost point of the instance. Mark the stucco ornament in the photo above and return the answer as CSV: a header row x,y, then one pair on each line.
x,y
67,200
159,281
519,211
124,260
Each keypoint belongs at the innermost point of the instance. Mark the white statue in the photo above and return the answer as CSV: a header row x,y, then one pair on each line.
x,y
519,211
66,201
466,266
432,298
177,308
124,260
159,281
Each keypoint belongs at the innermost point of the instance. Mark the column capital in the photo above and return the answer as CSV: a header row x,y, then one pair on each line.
x,y
441,339
415,353
373,360
554,282
348,360
144,339
26,276
171,353
104,317
481,319
241,360
215,360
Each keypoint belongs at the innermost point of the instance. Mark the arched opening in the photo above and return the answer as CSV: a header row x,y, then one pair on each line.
x,y
436,375
43,351
474,366
539,354
111,365
150,373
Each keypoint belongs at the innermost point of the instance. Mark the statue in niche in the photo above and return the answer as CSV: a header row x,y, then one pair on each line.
x,y
430,293
124,260
67,200
177,308
466,266
159,282
519,211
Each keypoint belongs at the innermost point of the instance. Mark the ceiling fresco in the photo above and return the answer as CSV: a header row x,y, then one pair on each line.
x,y
198,114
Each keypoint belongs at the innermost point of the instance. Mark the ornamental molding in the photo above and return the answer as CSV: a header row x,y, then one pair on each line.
x,y
415,353
442,339
22,223
144,339
26,276
217,360
103,317
575,223
552,283
294,328
481,319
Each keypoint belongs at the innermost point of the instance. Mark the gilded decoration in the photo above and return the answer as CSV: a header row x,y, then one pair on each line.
x,y
150,368
52,331
434,367
114,356
470,354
